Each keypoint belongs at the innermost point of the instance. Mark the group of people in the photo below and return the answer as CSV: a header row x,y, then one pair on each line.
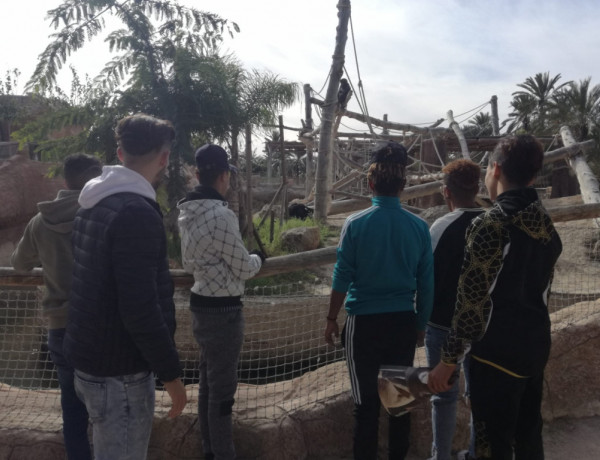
x,y
109,295
475,286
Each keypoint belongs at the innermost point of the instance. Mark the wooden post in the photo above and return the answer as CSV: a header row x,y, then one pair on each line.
x,y
495,121
249,223
272,226
590,190
310,175
283,173
322,197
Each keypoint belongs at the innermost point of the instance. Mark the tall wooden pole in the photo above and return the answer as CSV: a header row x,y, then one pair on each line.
x,y
249,223
323,178
310,175
283,174
495,121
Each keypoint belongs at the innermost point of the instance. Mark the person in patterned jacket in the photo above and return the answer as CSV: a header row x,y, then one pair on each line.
x,y
213,251
502,307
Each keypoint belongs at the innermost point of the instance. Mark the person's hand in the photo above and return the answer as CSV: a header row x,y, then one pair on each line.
x,y
260,254
332,328
420,338
438,379
178,396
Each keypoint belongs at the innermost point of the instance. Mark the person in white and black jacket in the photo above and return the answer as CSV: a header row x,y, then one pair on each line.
x,y
213,251
461,184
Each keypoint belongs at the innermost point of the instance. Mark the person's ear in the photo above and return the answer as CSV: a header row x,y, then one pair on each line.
x,y
446,192
496,170
164,158
371,186
120,154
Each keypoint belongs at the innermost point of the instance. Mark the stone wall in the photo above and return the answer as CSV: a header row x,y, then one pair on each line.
x,y
323,429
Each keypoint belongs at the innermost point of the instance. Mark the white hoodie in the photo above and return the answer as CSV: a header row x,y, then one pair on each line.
x,y
115,179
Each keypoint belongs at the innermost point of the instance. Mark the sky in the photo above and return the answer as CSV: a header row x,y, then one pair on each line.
x,y
416,59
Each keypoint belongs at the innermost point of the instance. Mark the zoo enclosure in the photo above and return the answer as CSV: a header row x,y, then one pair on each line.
x,y
285,364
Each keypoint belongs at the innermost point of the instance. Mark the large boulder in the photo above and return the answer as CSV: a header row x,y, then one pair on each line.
x,y
301,239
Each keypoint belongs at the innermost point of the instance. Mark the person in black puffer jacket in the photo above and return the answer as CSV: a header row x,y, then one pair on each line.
x,y
121,320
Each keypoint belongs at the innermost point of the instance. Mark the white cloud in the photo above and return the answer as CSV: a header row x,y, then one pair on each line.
x,y
417,58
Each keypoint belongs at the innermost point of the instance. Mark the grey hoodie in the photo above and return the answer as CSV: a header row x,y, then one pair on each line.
x,y
47,242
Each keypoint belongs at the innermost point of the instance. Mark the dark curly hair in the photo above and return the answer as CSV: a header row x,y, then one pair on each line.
x,y
462,179
387,172
521,157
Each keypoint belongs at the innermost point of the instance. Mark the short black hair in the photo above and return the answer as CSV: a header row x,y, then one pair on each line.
x,y
141,134
208,177
80,168
462,178
520,157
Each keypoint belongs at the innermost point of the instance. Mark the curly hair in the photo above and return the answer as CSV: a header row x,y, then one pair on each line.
x,y
521,157
462,179
387,173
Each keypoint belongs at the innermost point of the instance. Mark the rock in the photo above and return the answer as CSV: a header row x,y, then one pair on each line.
x,y
433,213
301,239
573,369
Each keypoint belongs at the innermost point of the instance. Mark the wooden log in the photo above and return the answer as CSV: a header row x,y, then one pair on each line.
x,y
416,191
590,189
577,212
459,135
293,262
393,125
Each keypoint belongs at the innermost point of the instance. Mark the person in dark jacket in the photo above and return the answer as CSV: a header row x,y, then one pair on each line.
x,y
461,184
46,242
502,307
383,277
122,317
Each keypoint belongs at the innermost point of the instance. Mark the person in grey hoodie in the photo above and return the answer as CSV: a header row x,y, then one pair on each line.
x,y
46,242
212,249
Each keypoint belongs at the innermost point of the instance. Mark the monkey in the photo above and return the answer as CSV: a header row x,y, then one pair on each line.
x,y
344,94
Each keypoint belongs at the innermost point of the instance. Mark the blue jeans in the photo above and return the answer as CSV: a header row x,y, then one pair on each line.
x,y
443,405
121,410
74,413
220,336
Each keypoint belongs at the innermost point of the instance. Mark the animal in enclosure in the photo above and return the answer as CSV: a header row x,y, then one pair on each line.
x,y
299,211
344,94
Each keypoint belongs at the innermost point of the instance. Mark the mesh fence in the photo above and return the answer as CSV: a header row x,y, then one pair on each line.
x,y
285,363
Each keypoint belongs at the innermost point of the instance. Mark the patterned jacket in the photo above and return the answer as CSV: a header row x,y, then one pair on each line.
x,y
212,248
502,301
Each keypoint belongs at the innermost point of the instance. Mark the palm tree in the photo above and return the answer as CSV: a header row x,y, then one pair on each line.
x,y
578,106
534,102
479,125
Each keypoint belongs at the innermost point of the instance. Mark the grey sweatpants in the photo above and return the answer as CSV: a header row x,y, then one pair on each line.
x,y
220,336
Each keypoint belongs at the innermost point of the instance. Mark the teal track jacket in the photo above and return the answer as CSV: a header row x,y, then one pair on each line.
x,y
385,261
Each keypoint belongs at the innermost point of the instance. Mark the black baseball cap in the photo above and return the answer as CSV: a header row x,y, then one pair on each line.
x,y
212,157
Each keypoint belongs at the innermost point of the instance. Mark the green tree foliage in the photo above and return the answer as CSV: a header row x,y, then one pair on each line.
x,y
533,104
478,126
578,106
